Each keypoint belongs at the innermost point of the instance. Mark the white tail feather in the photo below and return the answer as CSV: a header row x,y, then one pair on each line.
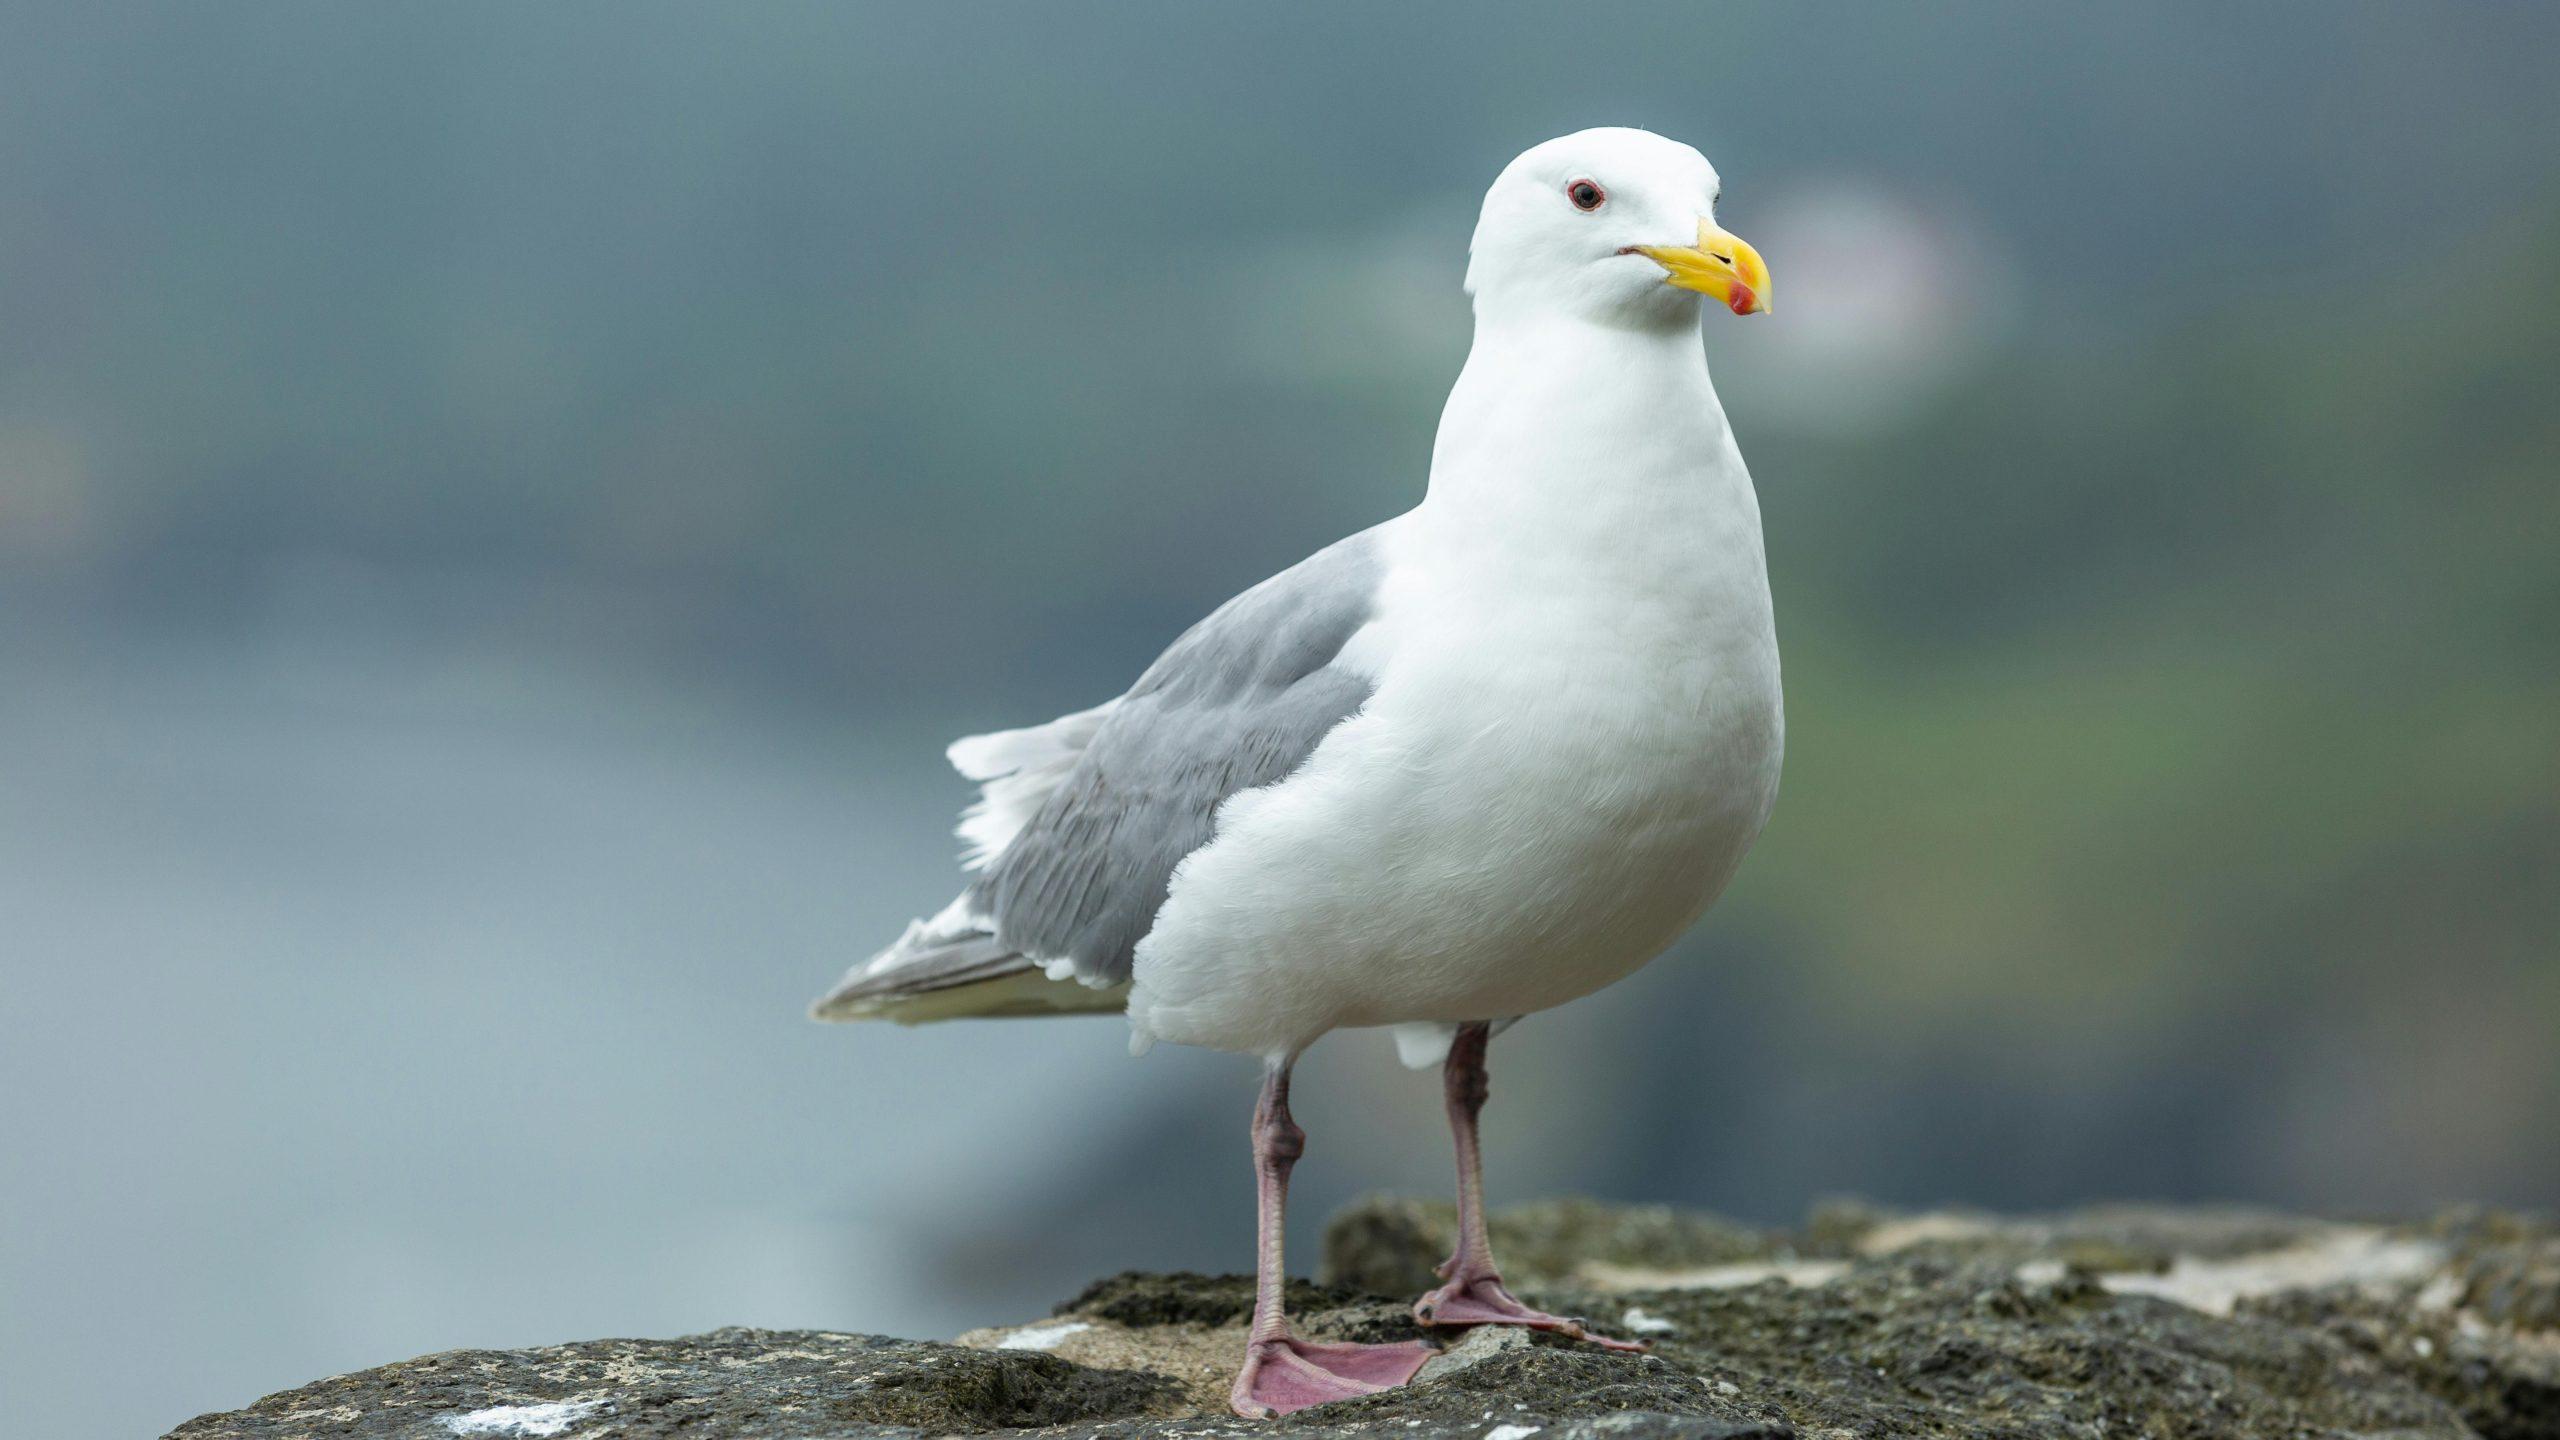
x,y
1016,770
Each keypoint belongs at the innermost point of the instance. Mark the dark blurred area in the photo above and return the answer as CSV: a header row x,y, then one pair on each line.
x,y
501,506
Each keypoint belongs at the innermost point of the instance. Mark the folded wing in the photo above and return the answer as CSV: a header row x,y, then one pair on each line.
x,y
1080,822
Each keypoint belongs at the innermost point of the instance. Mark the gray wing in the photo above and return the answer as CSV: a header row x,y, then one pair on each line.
x,y
1238,702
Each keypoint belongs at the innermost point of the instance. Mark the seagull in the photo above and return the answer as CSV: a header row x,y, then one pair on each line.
x,y
1469,764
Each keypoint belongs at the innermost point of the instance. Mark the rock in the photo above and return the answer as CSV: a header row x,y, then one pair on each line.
x,y
2505,1383
2167,1323
2509,1266
1473,1348
2104,1237
762,1383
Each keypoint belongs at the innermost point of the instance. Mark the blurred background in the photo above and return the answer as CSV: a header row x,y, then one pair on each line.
x,y
501,506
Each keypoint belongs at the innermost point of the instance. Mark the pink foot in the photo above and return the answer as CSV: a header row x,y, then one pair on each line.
x,y
1289,1374
1484,1301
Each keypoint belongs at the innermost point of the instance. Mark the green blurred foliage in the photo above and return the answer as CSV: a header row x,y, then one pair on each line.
x,y
2214,663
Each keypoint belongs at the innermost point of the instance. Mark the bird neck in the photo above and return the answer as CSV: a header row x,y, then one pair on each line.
x,y
1563,427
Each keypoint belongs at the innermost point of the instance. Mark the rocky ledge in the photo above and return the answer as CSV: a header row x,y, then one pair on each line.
x,y
2130,1321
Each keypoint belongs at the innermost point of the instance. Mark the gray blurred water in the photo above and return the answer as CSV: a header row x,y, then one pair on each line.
x,y
370,996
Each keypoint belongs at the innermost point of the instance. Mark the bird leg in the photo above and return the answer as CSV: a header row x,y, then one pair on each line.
x,y
1475,1294
1281,1372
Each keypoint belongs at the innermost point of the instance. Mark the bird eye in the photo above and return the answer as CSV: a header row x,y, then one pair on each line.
x,y
1586,195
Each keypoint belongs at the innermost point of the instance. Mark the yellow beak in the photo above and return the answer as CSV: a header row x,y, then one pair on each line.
x,y
1720,264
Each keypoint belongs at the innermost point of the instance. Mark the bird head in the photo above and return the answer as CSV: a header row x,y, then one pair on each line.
x,y
1613,225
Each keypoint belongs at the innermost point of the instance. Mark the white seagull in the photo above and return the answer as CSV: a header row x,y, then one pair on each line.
x,y
1471,763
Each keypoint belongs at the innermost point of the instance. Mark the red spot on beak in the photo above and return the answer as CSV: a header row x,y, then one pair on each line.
x,y
1743,298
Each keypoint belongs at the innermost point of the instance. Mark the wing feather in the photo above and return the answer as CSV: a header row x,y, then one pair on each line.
x,y
1080,822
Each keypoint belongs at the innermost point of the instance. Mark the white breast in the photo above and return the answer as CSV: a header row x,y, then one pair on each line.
x,y
1575,738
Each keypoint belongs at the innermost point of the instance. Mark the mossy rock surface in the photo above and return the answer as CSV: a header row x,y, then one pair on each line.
x,y
2163,1323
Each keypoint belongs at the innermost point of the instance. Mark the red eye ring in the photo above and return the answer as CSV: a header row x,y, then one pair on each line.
x,y
1586,195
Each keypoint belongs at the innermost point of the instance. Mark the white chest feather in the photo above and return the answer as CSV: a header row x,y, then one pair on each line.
x,y
1575,737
